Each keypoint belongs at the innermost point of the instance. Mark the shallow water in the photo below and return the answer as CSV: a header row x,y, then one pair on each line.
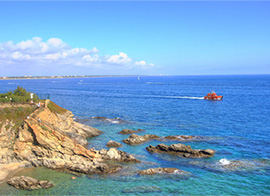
x,y
238,127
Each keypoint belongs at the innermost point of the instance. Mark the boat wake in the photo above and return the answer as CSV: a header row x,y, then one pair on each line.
x,y
178,97
185,97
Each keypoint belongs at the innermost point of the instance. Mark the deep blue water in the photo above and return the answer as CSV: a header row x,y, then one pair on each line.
x,y
166,105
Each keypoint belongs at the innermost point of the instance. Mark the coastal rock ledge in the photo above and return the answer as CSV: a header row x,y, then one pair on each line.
x,y
29,183
181,150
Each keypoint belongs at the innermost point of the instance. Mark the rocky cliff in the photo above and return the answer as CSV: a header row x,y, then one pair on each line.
x,y
55,141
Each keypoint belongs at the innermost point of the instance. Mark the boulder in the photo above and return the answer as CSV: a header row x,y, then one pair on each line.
x,y
138,139
116,155
129,131
29,183
113,144
181,150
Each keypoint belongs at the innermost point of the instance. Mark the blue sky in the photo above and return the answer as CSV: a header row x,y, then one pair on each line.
x,y
103,38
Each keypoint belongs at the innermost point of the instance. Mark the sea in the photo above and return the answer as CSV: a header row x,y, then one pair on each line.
x,y
237,128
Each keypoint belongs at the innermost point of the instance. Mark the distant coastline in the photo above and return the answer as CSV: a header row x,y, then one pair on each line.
x,y
68,76
110,76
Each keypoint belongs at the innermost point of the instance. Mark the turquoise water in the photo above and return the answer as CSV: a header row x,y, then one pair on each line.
x,y
238,127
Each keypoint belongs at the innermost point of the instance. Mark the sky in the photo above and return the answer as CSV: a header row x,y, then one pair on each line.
x,y
130,38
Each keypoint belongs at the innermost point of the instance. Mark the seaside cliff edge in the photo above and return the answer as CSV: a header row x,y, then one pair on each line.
x,y
32,136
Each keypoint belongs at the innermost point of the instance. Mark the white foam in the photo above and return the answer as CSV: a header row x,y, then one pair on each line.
x,y
224,162
112,121
115,121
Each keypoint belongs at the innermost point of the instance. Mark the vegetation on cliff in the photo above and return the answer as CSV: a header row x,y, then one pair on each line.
x,y
19,95
56,108
16,115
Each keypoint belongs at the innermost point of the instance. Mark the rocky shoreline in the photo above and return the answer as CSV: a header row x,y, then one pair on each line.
x,y
55,141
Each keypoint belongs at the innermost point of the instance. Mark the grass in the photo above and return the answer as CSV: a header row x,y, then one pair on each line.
x,y
44,127
56,108
14,114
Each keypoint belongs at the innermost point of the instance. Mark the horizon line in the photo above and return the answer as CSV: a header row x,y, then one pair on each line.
x,y
133,75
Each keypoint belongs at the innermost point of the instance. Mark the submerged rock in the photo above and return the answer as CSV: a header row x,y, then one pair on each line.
x,y
29,183
161,170
183,138
225,165
138,139
129,131
181,150
116,120
113,144
143,189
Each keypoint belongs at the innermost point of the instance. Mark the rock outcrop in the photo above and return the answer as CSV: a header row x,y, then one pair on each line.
x,y
113,144
161,170
65,124
29,183
116,155
181,150
139,139
130,131
55,141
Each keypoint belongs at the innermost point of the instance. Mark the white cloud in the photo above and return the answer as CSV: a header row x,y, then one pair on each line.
x,y
55,52
88,58
19,56
54,56
143,64
122,58
94,50
140,63
25,44
56,43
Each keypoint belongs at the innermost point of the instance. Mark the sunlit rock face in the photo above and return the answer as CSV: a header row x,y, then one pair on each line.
x,y
55,141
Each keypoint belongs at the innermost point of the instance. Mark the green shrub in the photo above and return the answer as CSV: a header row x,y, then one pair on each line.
x,y
4,100
20,95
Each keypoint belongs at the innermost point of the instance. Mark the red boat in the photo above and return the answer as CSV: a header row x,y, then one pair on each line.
x,y
213,96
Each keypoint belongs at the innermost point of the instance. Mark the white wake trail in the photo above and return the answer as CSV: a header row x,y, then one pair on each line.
x,y
178,97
